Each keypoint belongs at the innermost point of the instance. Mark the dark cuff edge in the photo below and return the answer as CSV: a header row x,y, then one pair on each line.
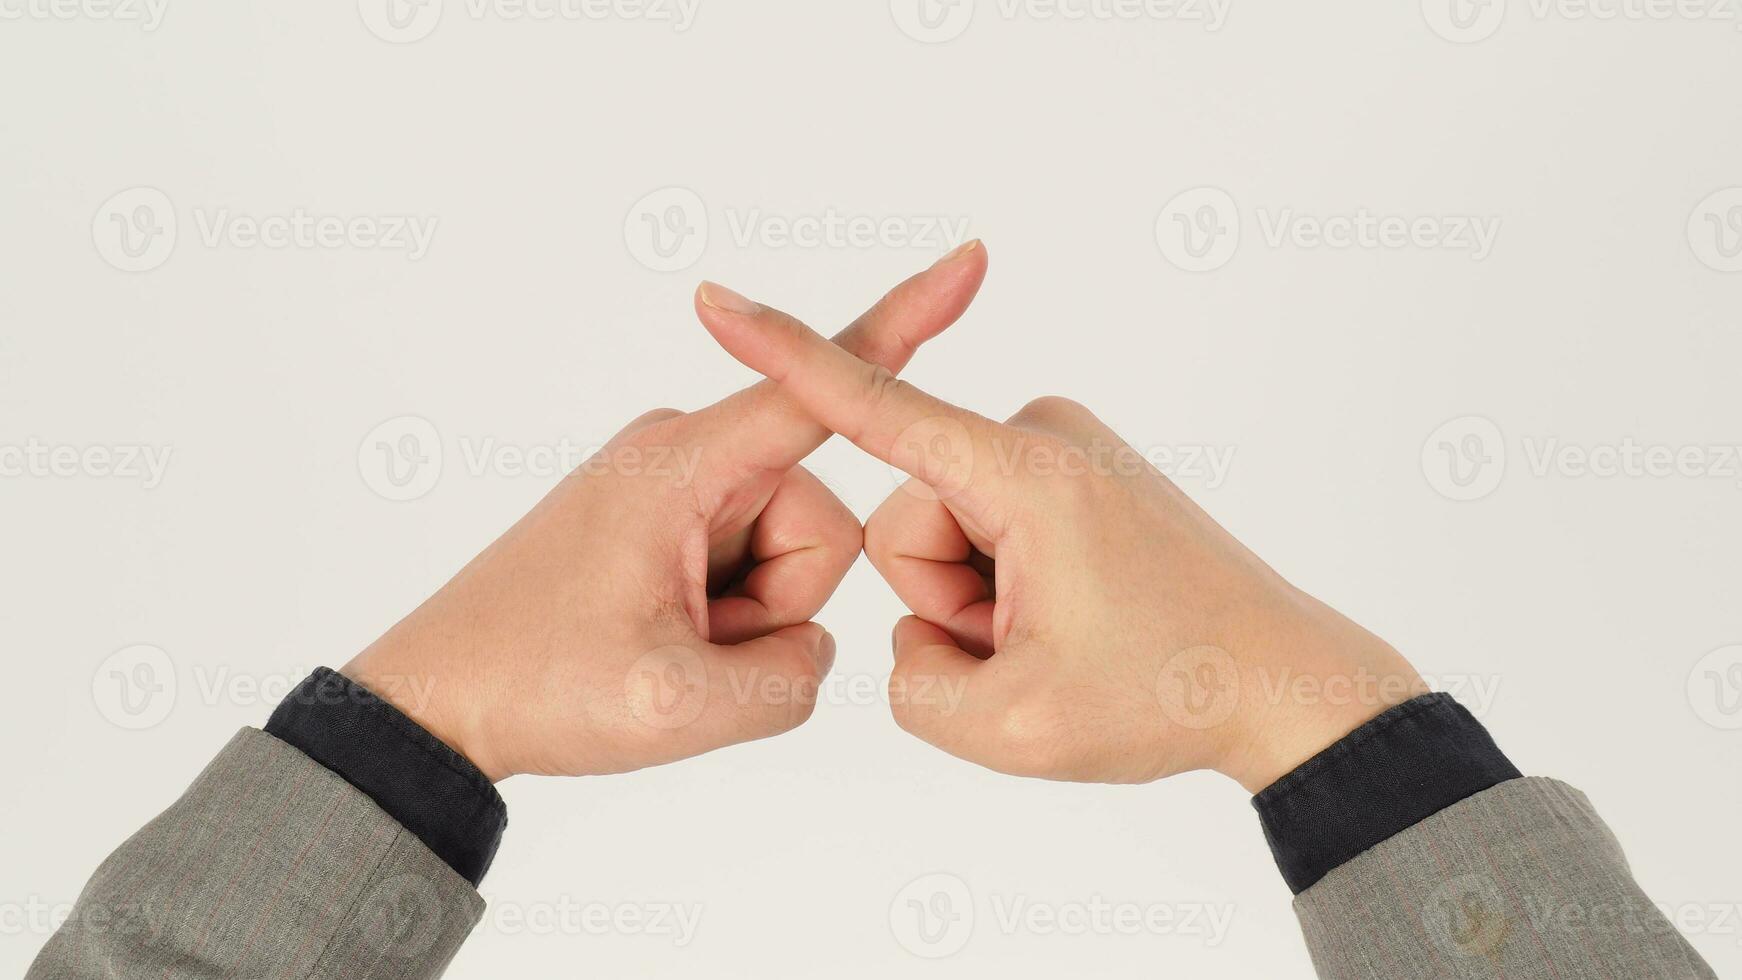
x,y
489,810
1361,769
1342,747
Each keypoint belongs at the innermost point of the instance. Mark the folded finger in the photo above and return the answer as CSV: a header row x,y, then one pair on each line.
x,y
916,544
802,545
933,688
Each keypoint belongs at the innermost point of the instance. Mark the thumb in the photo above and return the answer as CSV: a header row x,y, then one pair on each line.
x,y
769,685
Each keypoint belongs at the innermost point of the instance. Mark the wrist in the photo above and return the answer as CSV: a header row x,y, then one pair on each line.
x,y
1281,743
434,700
1302,712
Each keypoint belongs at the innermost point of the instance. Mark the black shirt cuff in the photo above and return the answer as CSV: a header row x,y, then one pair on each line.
x,y
1381,779
432,790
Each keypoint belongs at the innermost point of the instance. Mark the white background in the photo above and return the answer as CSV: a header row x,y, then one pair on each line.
x,y
1583,604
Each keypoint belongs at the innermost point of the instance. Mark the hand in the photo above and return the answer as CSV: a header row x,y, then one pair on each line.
x,y
657,604
1091,621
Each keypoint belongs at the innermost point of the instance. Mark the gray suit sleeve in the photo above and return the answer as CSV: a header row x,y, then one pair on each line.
x,y
1521,881
269,866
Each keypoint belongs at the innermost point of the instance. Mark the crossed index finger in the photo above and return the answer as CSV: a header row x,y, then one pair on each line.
x,y
760,429
923,435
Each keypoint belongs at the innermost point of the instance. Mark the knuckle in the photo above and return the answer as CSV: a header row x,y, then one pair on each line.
x,y
791,325
801,679
879,387
802,709
652,433
848,537
880,536
1031,732
794,712
910,716
1054,408
906,717
839,529
648,420
775,696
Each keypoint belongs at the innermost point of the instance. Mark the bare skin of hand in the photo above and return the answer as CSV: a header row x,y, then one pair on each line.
x,y
1098,625
657,603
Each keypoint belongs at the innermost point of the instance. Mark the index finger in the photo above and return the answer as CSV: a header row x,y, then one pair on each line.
x,y
760,428
923,435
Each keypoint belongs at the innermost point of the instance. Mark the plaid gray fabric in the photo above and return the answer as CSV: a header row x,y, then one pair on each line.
x,y
1521,881
269,866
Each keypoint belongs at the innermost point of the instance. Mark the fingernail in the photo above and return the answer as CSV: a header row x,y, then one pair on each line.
x,y
825,654
959,251
721,298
